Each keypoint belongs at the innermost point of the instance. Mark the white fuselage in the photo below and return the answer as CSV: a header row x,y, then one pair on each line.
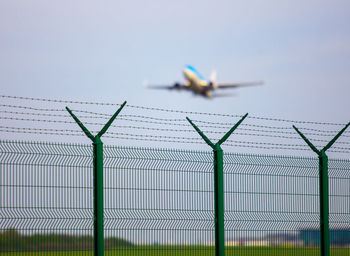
x,y
195,83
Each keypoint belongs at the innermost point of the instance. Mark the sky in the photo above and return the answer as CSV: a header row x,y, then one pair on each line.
x,y
105,50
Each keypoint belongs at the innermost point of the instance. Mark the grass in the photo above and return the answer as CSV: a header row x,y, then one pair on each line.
x,y
193,251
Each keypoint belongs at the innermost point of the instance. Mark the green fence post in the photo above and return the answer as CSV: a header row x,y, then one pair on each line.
x,y
97,180
323,189
218,185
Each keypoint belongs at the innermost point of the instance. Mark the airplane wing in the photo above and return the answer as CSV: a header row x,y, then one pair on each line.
x,y
176,86
233,85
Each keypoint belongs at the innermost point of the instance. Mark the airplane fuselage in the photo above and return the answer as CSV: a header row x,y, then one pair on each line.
x,y
196,83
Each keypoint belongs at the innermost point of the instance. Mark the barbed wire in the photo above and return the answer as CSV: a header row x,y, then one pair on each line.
x,y
168,110
254,132
167,121
31,108
39,130
193,141
222,125
175,138
168,130
184,130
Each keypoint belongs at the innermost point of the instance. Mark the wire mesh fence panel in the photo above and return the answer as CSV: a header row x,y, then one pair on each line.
x,y
45,198
272,205
269,200
339,205
160,201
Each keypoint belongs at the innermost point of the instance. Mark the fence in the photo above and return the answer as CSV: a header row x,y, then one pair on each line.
x,y
60,198
160,202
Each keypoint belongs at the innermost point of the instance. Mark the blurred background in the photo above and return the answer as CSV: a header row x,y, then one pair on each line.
x,y
105,51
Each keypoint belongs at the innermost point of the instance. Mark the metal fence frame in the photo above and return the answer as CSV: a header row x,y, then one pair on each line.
x,y
98,207
218,185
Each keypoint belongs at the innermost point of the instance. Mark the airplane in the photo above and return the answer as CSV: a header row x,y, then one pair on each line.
x,y
196,83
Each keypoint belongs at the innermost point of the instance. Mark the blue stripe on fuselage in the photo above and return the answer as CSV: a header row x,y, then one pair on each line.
x,y
196,72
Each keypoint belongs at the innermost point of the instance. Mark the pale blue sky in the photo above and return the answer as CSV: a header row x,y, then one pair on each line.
x,y
104,50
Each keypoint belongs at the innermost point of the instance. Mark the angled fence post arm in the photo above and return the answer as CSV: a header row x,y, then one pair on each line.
x,y
205,138
85,130
307,141
218,186
336,137
323,190
108,124
97,181
225,137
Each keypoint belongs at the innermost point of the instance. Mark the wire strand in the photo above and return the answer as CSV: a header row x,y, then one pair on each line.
x,y
174,138
122,117
168,110
248,145
171,130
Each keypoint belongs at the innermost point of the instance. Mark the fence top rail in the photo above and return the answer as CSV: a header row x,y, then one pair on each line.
x,y
207,153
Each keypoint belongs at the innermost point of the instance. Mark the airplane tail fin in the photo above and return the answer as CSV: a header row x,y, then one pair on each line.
x,y
212,79
213,76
